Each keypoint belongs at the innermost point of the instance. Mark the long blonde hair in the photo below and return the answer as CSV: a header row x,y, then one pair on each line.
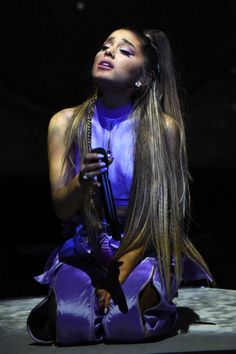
x,y
159,197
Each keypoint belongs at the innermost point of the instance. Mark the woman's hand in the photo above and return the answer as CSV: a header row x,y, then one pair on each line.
x,y
92,167
104,298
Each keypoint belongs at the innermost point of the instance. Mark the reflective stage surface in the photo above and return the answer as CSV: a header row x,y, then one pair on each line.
x,y
207,324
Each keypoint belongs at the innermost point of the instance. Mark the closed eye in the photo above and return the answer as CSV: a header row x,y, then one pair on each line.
x,y
104,47
126,52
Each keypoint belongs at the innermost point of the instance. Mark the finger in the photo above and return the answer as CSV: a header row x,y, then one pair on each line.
x,y
107,300
92,156
94,166
96,183
85,178
91,176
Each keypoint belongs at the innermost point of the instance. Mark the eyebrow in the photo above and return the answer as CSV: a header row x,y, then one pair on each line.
x,y
123,39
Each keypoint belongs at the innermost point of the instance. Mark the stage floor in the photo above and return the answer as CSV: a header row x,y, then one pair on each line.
x,y
207,324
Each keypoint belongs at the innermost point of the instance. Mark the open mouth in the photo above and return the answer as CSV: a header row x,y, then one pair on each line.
x,y
105,65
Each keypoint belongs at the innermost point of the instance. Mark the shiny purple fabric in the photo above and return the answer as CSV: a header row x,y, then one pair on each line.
x,y
114,125
79,319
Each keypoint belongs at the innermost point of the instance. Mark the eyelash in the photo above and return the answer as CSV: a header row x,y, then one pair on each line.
x,y
126,52
123,51
104,47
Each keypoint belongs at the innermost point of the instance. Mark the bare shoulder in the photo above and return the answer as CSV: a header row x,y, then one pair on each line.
x,y
172,132
170,124
61,119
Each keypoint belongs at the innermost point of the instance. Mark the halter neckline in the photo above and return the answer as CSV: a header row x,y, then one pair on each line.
x,y
113,113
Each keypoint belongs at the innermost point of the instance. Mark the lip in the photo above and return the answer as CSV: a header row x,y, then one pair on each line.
x,y
105,65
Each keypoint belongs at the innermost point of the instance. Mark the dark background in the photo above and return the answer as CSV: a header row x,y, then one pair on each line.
x,y
46,54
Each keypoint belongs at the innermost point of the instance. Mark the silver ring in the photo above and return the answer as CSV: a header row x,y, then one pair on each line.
x,y
85,177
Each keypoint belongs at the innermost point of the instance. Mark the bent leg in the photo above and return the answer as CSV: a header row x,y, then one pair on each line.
x,y
149,315
75,298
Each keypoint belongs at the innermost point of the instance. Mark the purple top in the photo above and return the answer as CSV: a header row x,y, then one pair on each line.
x,y
112,128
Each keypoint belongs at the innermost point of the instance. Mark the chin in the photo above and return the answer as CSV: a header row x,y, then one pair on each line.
x,y
104,82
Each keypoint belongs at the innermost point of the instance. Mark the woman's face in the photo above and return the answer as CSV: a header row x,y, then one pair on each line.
x,y
119,63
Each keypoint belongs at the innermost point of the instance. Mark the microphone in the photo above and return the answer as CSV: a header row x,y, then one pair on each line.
x,y
107,197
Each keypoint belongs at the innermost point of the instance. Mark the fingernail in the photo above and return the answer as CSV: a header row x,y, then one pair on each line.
x,y
102,163
106,310
103,169
100,156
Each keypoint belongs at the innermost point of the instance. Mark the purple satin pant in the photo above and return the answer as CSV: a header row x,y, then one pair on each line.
x,y
78,316
79,319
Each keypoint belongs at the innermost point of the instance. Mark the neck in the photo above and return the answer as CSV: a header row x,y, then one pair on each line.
x,y
114,99
113,112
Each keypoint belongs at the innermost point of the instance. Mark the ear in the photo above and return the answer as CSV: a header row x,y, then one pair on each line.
x,y
144,80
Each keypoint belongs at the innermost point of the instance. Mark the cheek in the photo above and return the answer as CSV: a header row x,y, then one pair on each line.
x,y
95,62
133,71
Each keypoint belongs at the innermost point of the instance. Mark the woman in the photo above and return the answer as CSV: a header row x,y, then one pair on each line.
x,y
102,288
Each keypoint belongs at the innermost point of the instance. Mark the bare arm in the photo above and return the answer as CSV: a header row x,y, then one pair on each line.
x,y
129,261
172,134
67,197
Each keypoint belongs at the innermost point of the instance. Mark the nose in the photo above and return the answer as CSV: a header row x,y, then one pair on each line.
x,y
110,52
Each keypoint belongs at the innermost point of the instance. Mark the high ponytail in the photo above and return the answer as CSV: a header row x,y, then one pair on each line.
x,y
159,198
